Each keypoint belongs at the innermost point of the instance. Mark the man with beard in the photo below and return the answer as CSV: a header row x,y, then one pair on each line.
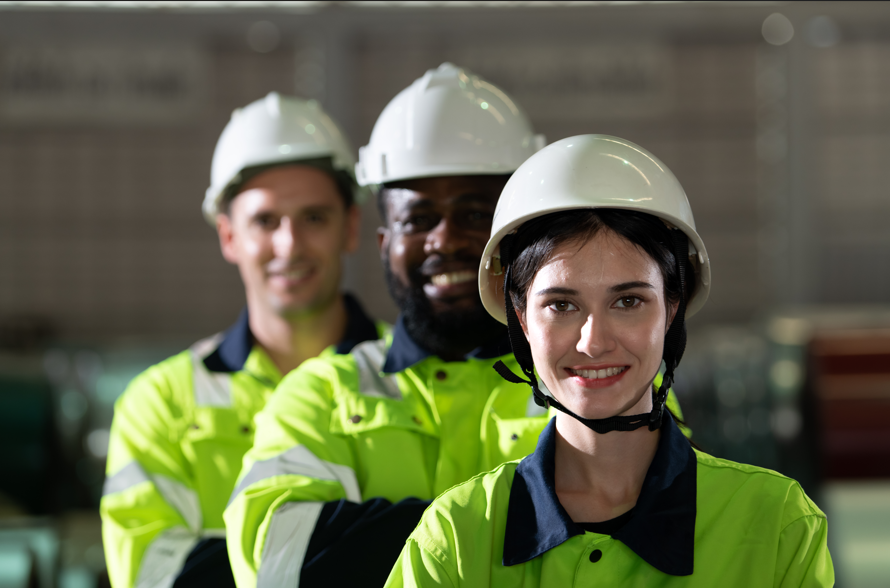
x,y
351,449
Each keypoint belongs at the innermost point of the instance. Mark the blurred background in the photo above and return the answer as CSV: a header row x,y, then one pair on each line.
x,y
775,117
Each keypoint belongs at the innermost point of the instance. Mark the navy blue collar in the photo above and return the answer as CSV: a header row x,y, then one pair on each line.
x,y
237,342
661,531
405,351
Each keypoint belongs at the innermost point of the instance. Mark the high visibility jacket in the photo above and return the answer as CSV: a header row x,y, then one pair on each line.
x,y
699,522
388,421
179,434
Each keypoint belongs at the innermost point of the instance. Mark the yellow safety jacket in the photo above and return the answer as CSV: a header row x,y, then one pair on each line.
x,y
179,434
386,421
699,522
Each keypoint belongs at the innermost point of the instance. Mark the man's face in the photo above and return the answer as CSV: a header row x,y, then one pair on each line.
x,y
436,232
286,231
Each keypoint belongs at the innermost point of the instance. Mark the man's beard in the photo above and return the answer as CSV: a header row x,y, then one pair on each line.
x,y
446,333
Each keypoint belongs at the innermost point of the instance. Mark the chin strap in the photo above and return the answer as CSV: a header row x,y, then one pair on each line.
x,y
674,346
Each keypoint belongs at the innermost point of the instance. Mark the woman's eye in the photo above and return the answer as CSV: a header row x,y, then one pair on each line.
x,y
627,302
562,306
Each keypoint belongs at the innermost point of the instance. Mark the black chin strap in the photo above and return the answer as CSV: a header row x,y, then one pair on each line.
x,y
674,345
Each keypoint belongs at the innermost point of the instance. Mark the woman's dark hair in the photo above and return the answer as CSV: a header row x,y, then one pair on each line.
x,y
537,239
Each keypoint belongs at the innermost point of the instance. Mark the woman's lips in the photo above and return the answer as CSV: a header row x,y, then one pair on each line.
x,y
597,378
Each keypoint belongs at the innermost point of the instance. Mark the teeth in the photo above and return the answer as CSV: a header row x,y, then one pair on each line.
x,y
599,374
453,278
294,274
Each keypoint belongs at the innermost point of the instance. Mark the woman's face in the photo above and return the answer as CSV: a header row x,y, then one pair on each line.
x,y
596,318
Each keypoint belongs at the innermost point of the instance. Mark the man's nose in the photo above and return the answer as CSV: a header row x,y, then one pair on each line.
x,y
286,238
445,238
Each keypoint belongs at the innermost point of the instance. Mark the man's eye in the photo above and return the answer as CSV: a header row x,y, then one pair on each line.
x,y
266,222
418,223
627,302
478,219
562,306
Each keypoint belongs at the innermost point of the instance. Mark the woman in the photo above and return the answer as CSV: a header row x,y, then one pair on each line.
x,y
595,245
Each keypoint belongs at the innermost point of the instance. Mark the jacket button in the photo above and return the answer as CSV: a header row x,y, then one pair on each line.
x,y
355,418
440,375
596,555
514,437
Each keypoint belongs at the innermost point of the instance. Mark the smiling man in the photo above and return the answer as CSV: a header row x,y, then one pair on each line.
x,y
351,448
283,201
430,248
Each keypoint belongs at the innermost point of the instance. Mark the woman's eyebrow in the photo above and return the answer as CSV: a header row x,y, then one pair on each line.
x,y
556,290
617,288
630,286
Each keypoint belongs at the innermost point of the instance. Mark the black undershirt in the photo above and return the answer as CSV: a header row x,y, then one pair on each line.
x,y
609,527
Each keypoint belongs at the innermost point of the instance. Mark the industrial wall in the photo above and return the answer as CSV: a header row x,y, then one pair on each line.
x,y
781,148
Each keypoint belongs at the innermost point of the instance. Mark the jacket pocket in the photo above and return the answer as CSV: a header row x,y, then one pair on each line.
x,y
356,414
511,439
215,443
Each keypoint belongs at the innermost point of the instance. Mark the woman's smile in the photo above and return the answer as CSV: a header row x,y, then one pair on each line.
x,y
602,377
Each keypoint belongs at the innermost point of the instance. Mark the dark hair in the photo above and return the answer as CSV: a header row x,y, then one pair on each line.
x,y
345,183
537,239
381,204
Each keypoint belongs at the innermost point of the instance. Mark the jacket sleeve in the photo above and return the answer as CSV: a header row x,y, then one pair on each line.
x,y
297,513
150,512
803,560
418,567
294,467
369,536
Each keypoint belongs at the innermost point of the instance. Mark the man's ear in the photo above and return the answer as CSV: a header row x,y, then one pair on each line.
x,y
383,236
353,229
226,238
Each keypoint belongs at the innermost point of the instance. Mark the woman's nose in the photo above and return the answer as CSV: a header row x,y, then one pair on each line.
x,y
596,337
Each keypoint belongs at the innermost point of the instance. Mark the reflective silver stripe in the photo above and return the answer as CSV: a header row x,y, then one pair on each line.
x,y
211,388
165,557
286,543
127,477
369,359
299,461
181,497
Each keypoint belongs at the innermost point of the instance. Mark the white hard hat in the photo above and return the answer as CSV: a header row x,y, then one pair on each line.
x,y
590,171
449,122
275,129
